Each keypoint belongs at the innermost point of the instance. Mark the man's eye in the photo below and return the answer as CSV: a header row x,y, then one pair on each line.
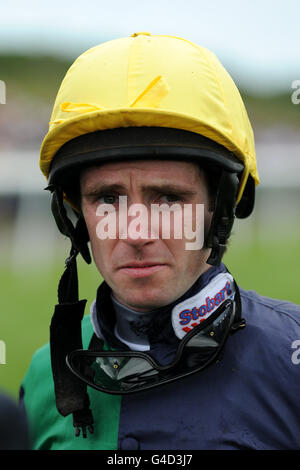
x,y
107,199
169,198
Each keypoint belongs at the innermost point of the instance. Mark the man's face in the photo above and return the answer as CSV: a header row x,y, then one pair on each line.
x,y
145,273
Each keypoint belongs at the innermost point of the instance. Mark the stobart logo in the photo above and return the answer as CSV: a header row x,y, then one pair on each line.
x,y
189,313
210,304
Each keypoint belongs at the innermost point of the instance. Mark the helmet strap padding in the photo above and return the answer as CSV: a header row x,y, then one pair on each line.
x,y
223,217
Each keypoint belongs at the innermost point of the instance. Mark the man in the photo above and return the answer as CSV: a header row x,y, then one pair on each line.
x,y
174,354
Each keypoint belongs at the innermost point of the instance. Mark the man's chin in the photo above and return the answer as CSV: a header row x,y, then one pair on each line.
x,y
146,302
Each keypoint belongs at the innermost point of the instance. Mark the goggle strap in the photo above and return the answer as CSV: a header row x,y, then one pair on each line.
x,y
238,321
65,336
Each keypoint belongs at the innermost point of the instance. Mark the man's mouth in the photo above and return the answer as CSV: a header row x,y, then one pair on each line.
x,y
141,269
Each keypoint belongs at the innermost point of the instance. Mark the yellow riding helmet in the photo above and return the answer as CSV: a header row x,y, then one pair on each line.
x,y
151,81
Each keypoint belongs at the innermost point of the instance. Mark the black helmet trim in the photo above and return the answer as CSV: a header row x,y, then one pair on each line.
x,y
138,142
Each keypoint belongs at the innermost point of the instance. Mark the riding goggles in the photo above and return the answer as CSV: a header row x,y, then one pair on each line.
x,y
124,372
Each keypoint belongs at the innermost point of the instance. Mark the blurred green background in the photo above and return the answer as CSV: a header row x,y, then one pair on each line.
x,y
264,251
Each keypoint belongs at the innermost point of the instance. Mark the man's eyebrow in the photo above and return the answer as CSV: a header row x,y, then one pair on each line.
x,y
98,188
170,188
165,187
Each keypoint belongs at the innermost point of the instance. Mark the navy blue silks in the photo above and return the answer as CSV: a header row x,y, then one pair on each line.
x,y
247,400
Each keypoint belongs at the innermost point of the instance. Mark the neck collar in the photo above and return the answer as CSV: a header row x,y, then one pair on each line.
x,y
132,326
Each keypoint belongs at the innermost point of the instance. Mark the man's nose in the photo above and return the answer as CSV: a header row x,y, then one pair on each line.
x,y
135,225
